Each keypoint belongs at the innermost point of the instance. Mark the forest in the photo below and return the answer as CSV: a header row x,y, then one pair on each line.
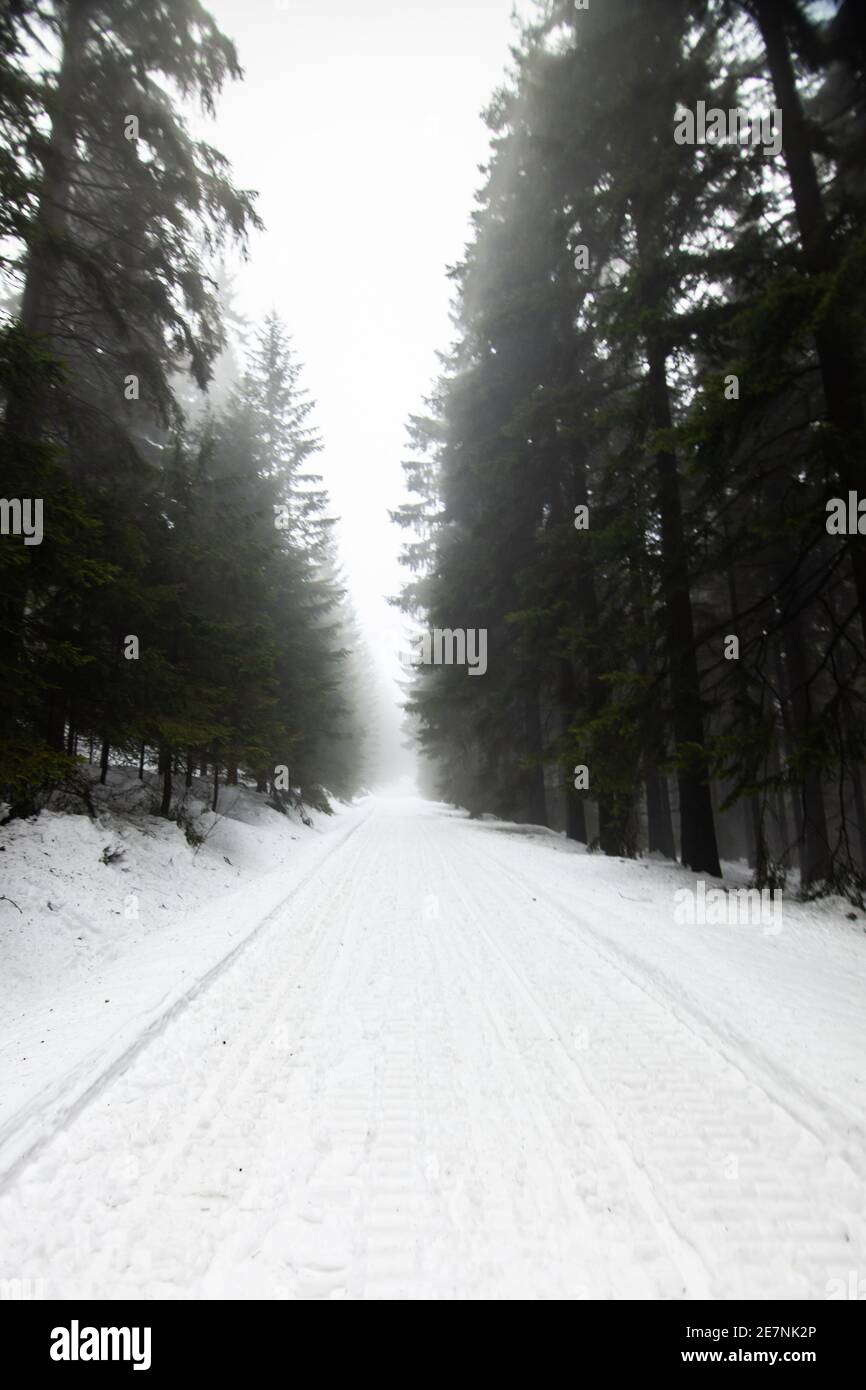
x,y
433,868
642,469
640,474
182,608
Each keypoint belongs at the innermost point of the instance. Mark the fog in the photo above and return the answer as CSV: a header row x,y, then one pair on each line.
x,y
360,127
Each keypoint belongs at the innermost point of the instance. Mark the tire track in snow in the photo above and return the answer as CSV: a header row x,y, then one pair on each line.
x,y
695,1276
221,1090
212,1122
28,1130
686,1106
759,1070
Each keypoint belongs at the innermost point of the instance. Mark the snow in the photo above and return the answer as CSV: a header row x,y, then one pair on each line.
x,y
402,1054
95,955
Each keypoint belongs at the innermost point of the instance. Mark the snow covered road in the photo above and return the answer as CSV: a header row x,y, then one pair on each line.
x,y
464,1061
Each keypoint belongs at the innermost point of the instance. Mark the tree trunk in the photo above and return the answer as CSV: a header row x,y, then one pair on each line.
x,y
216,787
49,718
575,810
597,692
660,830
536,799
575,815
697,826
816,860
165,772
141,763
860,813
103,762
781,803
698,845
756,846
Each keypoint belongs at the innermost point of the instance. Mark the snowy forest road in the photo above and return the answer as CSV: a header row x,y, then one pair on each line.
x,y
466,1060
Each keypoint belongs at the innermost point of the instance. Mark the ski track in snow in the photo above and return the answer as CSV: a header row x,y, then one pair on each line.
x,y
441,1069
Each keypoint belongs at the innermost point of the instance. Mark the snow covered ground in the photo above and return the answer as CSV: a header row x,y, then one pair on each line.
x,y
107,926
410,1055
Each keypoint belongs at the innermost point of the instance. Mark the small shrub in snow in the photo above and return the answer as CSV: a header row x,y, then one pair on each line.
x,y
187,818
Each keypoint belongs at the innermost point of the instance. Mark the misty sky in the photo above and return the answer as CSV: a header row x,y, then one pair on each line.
x,y
359,124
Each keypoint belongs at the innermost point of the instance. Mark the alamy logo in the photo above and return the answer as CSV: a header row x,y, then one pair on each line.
x,y
735,127
728,907
76,1343
450,647
854,1288
846,518
22,516
21,1290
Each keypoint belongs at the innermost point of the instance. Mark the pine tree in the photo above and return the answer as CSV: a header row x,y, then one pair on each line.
x,y
644,327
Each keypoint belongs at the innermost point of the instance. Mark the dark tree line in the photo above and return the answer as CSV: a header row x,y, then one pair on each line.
x,y
657,387
184,607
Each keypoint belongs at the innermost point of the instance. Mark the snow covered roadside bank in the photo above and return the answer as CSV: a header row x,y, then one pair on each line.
x,y
108,926
785,996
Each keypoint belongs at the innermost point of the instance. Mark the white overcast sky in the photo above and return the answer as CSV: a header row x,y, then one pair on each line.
x,y
359,124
